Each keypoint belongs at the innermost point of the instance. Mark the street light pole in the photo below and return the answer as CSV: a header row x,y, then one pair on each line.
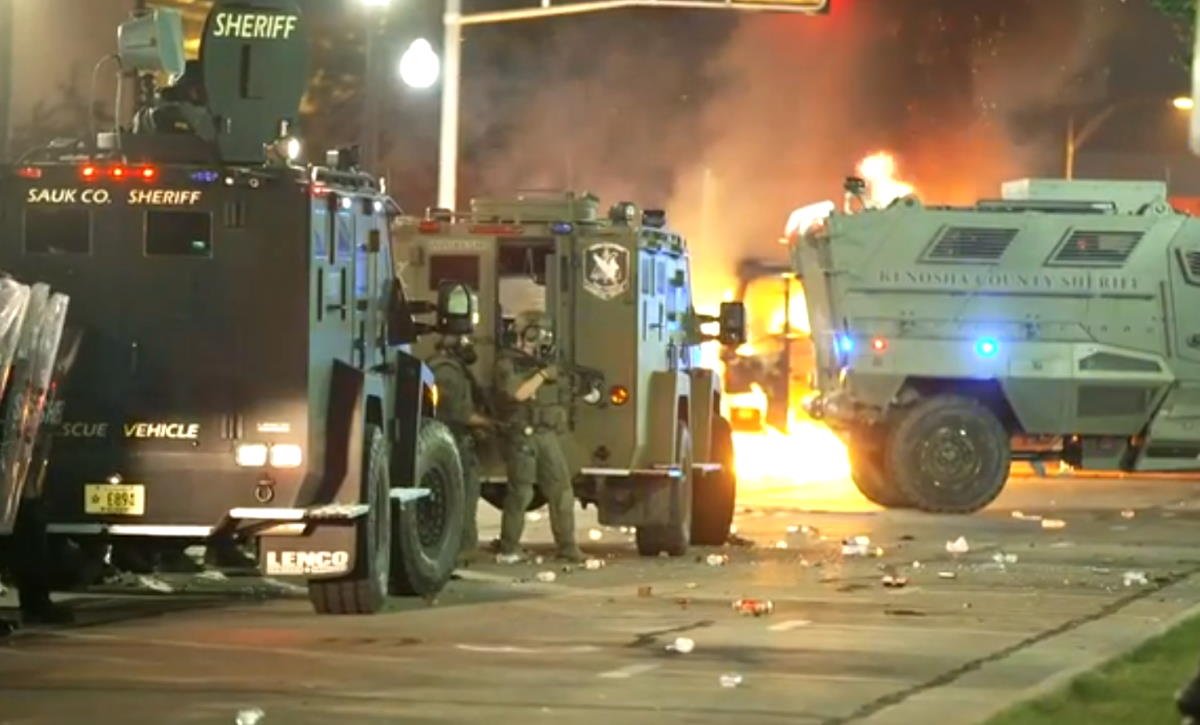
x,y
1076,138
369,142
451,75
6,75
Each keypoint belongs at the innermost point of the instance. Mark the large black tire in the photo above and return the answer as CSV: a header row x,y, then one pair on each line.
x,y
426,535
866,451
494,494
672,538
949,454
714,493
364,590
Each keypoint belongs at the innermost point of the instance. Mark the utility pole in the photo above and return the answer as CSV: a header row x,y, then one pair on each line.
x,y
6,76
369,142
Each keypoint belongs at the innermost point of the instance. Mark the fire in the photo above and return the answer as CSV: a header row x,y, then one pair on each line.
x,y
879,171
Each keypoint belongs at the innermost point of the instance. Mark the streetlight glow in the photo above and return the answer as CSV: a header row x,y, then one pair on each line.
x,y
376,3
1183,103
419,66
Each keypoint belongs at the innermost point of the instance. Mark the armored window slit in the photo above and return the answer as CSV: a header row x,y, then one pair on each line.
x,y
970,244
1108,248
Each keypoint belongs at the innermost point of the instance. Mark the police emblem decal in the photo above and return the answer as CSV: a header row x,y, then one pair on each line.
x,y
606,270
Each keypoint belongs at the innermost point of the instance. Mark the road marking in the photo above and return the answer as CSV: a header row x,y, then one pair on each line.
x,y
789,625
509,649
624,673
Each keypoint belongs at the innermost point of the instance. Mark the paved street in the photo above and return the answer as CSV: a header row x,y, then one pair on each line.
x,y
591,646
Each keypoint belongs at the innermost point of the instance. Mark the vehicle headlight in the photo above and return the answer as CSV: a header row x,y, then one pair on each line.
x,y
286,455
251,455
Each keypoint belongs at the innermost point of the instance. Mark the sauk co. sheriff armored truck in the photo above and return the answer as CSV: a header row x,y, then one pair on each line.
x,y
646,438
1058,321
244,370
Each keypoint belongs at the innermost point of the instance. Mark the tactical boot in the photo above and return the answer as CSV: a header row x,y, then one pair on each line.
x,y
43,611
571,553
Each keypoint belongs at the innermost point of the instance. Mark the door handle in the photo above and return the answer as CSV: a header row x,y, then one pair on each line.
x,y
1194,341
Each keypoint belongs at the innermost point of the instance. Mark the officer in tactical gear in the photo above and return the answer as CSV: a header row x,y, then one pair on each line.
x,y
462,408
531,420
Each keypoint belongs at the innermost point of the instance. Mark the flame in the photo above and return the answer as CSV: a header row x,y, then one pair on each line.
x,y
879,171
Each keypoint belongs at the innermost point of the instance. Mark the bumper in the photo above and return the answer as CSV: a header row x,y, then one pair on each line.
x,y
280,521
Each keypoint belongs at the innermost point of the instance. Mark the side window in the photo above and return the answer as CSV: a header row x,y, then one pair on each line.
x,y
462,268
345,235
320,229
178,234
57,231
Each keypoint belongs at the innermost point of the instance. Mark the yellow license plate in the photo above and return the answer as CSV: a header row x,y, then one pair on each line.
x,y
107,498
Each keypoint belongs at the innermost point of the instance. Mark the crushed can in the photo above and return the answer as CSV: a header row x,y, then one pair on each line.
x,y
755,607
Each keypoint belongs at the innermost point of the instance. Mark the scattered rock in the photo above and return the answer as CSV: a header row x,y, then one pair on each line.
x,y
546,576
947,575
731,680
958,546
1128,514
645,591
682,645
1135,577
894,582
717,559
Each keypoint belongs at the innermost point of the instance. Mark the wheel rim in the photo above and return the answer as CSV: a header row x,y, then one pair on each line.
x,y
952,456
431,510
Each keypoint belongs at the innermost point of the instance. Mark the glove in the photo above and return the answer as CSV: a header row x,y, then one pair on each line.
x,y
550,373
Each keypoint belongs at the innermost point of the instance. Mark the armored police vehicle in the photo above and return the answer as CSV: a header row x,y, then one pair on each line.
x,y
646,438
244,369
1058,321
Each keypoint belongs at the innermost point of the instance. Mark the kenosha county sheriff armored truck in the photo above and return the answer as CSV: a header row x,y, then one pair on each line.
x,y
244,367
1057,322
646,438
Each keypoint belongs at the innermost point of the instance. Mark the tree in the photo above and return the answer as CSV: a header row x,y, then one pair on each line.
x,y
1183,14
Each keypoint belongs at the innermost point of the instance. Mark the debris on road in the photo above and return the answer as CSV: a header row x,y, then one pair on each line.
x,y
735,540
250,716
691,585
154,584
894,582
731,679
1128,513
916,565
645,591
212,575
533,516
595,534
756,607
947,575
1001,558
683,602
958,546
593,564
682,645
859,546
1135,577
781,544
546,576
509,558
1025,517
717,559
1053,524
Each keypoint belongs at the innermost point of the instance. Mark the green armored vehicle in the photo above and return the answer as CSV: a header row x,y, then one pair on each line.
x,y
646,440
1055,322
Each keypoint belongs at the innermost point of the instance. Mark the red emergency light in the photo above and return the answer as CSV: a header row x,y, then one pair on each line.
x,y
118,172
429,226
88,172
29,172
148,173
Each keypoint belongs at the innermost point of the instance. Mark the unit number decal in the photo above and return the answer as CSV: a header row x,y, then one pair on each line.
x,y
606,270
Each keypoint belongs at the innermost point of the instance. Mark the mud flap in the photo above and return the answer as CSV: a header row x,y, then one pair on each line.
x,y
642,501
325,551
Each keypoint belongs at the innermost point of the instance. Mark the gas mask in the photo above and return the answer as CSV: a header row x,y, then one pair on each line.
x,y
465,351
540,341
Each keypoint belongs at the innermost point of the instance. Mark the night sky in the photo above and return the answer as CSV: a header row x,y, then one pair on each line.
x,y
731,120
